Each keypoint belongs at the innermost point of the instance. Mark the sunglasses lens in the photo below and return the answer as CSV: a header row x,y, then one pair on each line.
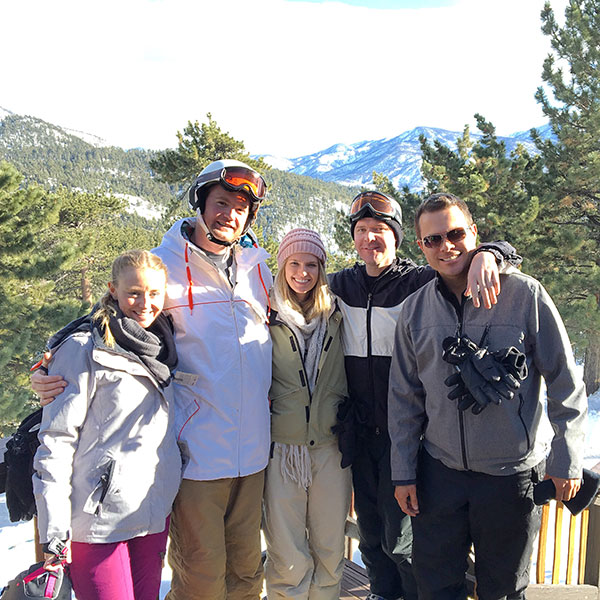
x,y
240,178
453,236
432,241
456,235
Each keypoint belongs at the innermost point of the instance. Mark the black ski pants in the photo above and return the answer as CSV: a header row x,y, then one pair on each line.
x,y
459,508
384,530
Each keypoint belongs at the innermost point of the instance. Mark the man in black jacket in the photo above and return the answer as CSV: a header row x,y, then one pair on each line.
x,y
369,296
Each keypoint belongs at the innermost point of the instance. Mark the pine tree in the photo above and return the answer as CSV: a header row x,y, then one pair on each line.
x,y
99,227
502,189
197,146
27,272
571,202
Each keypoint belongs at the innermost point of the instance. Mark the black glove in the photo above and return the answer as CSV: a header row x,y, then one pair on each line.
x,y
513,361
461,393
483,376
486,379
345,429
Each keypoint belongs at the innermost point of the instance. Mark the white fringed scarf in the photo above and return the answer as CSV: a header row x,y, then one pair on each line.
x,y
295,459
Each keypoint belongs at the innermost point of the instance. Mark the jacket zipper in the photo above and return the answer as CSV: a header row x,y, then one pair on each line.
x,y
303,374
231,287
105,481
369,350
461,415
461,424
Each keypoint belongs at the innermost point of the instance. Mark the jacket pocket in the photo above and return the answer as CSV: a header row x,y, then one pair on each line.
x,y
93,503
289,417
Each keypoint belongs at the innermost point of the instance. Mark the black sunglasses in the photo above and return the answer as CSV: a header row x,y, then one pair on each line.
x,y
453,236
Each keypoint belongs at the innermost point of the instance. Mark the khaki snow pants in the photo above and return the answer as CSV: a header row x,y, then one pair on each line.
x,y
215,539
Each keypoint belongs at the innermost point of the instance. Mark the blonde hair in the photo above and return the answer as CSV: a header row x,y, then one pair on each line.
x,y
319,298
137,259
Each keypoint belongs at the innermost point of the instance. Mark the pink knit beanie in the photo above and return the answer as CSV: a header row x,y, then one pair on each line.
x,y
301,240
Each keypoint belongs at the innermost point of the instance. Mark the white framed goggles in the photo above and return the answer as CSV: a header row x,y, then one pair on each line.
x,y
236,179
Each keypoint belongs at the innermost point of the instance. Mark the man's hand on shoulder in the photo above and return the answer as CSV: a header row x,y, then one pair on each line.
x,y
483,280
406,495
47,387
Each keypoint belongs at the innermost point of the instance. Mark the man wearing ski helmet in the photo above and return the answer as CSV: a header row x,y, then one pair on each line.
x,y
370,295
217,295
235,178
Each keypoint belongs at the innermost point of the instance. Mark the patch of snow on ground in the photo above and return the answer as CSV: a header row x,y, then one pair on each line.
x,y
141,207
4,113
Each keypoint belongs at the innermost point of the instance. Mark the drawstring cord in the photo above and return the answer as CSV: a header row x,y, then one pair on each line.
x,y
191,283
264,288
189,276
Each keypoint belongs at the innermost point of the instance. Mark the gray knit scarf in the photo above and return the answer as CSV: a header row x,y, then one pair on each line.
x,y
154,346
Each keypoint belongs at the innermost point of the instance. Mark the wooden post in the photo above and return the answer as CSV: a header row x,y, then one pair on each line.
x,y
571,550
543,539
583,540
592,563
557,542
39,553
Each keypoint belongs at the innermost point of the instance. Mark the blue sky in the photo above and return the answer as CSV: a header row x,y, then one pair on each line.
x,y
286,77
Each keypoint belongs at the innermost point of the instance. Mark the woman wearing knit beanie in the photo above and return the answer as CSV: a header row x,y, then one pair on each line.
x,y
307,493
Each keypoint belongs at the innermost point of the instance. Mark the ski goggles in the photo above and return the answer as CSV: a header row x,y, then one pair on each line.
x,y
379,204
453,236
237,179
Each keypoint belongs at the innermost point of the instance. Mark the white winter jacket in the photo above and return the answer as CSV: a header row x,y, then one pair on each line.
x,y
108,467
224,349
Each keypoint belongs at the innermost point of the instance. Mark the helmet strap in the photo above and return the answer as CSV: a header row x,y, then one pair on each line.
x,y
209,236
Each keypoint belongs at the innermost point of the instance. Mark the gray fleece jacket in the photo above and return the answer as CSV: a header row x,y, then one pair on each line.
x,y
504,439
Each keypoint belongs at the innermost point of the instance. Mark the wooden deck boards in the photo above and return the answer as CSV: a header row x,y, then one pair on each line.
x,y
355,584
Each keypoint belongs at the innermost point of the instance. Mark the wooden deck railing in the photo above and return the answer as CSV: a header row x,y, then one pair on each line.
x,y
575,578
574,556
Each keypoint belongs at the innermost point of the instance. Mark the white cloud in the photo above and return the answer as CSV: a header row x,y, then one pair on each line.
x,y
286,77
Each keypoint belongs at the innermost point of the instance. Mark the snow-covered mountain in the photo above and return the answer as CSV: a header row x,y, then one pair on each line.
x,y
398,157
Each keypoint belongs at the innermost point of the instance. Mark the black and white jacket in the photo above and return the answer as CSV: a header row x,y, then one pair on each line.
x,y
370,312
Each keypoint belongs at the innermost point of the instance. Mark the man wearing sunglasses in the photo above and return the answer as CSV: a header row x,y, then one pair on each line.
x,y
469,432
370,295
217,295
